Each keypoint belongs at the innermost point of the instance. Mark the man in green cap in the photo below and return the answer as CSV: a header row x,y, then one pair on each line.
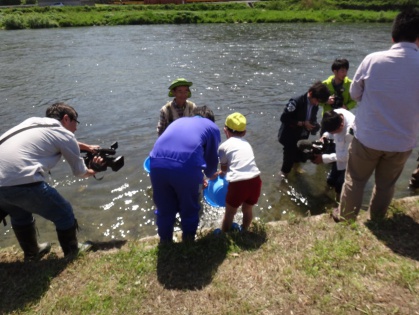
x,y
178,107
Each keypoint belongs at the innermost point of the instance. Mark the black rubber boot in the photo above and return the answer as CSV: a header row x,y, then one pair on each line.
x,y
26,236
414,180
69,243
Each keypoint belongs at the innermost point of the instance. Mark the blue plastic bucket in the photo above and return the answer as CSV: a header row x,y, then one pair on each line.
x,y
215,193
146,164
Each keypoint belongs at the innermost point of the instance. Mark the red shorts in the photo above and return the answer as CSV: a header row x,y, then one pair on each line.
x,y
244,191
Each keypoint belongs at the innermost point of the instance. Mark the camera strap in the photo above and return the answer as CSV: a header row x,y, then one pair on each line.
x,y
26,128
94,176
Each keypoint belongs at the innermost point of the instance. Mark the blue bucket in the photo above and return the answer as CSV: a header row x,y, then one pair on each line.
x,y
146,164
215,193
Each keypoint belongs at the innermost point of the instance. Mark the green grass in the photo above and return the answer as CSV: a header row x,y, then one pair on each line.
x,y
307,266
47,17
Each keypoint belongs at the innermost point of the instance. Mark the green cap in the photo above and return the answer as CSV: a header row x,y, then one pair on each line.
x,y
179,82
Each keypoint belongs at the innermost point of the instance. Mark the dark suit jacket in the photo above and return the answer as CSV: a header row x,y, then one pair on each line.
x,y
296,110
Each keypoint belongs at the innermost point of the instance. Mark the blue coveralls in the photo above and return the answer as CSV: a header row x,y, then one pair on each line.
x,y
188,146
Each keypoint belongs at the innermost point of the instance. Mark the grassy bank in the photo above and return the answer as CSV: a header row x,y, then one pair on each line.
x,y
303,266
49,17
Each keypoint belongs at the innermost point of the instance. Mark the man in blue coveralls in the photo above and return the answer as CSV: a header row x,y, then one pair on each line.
x,y
187,147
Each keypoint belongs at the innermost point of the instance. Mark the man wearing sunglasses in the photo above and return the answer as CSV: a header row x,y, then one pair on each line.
x,y
28,152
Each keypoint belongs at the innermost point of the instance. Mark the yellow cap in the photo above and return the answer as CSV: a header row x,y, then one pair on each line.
x,y
236,122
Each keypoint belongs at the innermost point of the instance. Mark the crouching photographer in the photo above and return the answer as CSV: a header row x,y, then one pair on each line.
x,y
338,125
28,152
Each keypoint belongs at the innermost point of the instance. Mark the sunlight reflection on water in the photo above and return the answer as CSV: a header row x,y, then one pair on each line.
x,y
117,79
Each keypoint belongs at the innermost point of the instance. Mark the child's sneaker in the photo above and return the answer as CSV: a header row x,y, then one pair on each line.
x,y
235,227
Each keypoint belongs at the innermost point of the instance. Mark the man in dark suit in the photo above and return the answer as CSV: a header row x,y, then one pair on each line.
x,y
298,120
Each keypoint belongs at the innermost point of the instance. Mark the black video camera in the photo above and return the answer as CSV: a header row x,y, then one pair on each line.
x,y
115,163
312,148
338,98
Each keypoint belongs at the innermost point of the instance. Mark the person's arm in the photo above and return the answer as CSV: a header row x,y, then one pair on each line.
x,y
312,125
330,101
162,124
88,147
223,160
213,140
324,158
328,158
357,86
349,103
71,152
224,169
96,160
289,115
325,135
342,148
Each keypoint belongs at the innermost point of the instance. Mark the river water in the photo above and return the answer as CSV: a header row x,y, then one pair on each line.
x,y
117,78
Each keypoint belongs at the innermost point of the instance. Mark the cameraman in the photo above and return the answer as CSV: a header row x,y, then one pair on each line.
x,y
338,125
27,153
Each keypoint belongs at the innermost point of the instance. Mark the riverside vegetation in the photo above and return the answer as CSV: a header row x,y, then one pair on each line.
x,y
301,266
275,11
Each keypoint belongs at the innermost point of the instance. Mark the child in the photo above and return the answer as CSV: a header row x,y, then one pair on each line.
x,y
338,85
238,163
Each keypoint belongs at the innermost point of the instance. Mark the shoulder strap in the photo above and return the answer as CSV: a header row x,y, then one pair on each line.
x,y
26,128
2,213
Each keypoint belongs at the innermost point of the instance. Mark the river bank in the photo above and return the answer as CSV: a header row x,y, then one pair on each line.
x,y
299,266
51,17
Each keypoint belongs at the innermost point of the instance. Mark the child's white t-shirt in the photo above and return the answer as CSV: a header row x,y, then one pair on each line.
x,y
238,155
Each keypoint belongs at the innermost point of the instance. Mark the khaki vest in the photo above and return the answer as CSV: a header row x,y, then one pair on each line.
x,y
171,113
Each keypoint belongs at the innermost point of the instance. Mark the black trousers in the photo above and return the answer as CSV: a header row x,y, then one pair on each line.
x,y
336,178
291,155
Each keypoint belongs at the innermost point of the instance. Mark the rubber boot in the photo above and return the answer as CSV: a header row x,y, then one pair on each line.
x,y
68,241
26,236
414,180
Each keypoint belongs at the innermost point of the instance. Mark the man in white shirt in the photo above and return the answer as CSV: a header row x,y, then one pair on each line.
x,y
338,125
27,153
386,87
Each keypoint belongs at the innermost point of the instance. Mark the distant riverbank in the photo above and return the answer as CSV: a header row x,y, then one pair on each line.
x,y
261,12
